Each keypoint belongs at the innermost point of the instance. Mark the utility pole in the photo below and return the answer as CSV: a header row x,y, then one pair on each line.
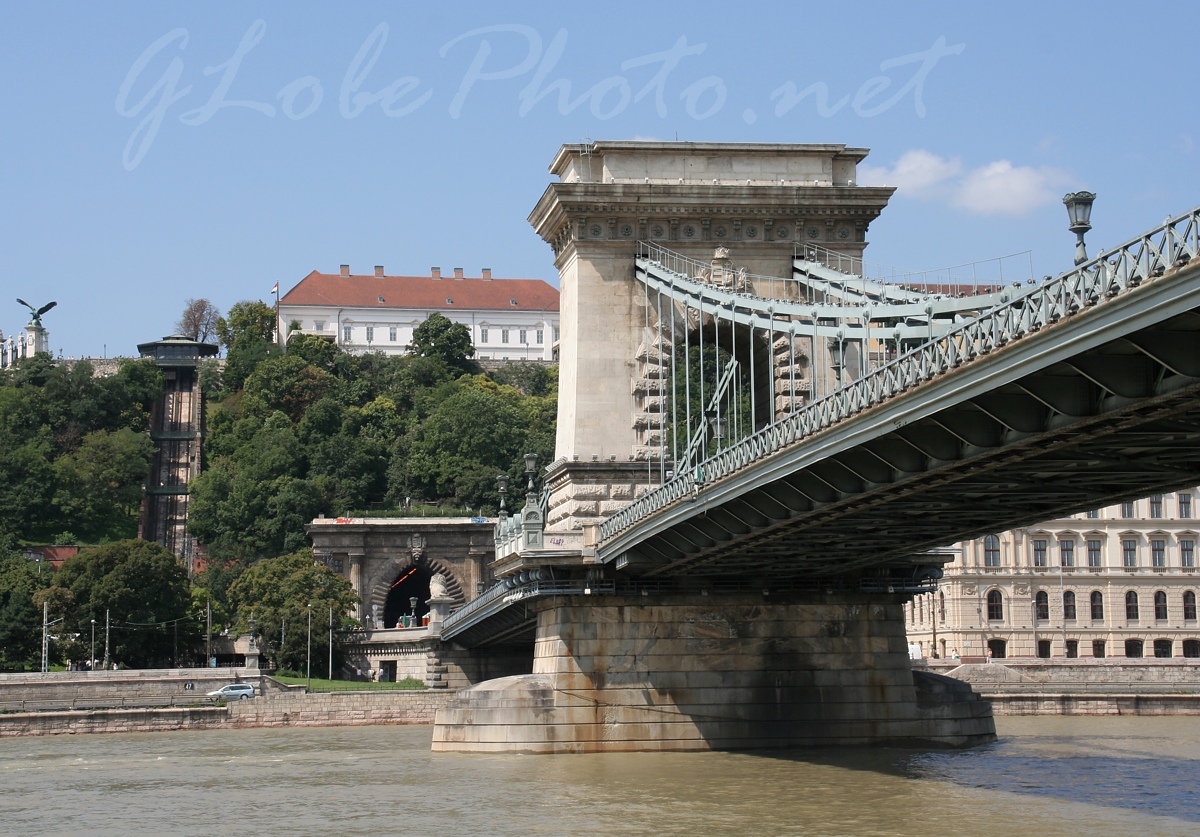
x,y
106,624
208,636
308,660
45,634
331,642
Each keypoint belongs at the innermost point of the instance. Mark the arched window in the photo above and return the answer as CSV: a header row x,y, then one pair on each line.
x,y
941,607
1189,605
1160,605
1041,604
1097,606
991,551
1134,648
995,605
1131,608
1069,605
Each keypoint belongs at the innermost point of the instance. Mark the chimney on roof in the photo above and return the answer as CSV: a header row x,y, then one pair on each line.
x,y
458,271
378,270
345,270
487,273
435,272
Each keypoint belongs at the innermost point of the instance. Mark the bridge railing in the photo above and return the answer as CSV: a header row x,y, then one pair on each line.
x,y
1109,275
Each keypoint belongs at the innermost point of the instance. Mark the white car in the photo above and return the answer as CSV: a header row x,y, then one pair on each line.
x,y
234,691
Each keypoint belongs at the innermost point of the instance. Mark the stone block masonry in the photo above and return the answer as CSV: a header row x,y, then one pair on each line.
x,y
314,710
693,672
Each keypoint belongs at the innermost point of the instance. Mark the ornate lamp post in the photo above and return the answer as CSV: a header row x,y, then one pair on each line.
x,y
530,470
1079,210
502,483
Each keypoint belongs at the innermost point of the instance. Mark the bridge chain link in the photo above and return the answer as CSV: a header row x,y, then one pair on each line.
x,y
1109,275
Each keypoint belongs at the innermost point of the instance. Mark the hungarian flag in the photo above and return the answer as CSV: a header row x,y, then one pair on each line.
x,y
275,289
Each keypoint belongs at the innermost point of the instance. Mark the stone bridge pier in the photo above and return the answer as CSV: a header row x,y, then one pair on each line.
x,y
696,672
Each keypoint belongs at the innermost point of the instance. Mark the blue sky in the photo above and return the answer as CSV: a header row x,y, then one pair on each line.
x,y
155,152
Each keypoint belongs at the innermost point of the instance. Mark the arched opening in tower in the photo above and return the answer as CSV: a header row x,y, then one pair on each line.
x,y
407,596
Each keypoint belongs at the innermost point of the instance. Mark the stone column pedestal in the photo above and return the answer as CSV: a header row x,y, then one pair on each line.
x,y
692,672
439,609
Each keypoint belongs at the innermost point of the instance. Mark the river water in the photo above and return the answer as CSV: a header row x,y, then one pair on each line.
x,y
1047,776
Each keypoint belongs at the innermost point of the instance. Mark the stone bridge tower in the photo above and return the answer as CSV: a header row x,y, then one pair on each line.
x,y
757,201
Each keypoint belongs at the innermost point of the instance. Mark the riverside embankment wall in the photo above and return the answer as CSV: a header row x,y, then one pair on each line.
x,y
324,710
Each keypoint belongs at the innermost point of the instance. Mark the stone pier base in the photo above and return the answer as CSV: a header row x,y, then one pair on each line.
x,y
693,672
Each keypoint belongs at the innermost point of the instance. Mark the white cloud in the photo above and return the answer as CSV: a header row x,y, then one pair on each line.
x,y
1000,188
917,173
996,188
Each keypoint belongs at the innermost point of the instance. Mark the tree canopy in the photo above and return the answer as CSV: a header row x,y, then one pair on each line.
x,y
199,320
290,590
144,591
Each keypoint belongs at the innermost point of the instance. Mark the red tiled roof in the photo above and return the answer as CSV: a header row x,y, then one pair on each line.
x,y
359,291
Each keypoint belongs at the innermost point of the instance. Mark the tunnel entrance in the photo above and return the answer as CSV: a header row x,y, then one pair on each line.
x,y
412,583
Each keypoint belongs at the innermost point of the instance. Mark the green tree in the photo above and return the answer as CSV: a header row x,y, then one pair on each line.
x,y
316,351
448,341
278,590
249,319
143,588
99,484
20,622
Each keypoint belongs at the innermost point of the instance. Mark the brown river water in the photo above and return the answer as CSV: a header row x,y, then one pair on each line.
x,y
1047,776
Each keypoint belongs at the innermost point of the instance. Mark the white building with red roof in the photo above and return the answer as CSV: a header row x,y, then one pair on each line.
x,y
509,319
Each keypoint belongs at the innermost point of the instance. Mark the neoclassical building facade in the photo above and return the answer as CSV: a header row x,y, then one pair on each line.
x,y
509,319
1114,582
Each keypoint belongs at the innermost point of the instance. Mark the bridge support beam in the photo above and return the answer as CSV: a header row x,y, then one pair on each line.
x,y
696,672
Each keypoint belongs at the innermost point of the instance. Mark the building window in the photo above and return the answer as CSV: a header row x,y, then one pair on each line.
x,y
1041,605
1093,514
318,325
941,606
346,330
1133,648
991,551
1189,606
1129,552
1187,552
1066,553
1127,510
1094,554
1131,607
1044,649
392,333
1072,648
1098,648
504,335
1156,506
1185,505
1097,606
540,336
1191,648
1158,553
995,605
1069,605
1160,605
338,565
483,335
524,335
997,649
556,334
370,333
1039,553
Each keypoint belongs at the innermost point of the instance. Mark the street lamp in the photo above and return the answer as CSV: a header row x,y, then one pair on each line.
x,y
412,617
502,483
92,651
1079,210
308,659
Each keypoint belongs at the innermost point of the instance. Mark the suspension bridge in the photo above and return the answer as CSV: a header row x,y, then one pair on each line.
x,y
761,450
